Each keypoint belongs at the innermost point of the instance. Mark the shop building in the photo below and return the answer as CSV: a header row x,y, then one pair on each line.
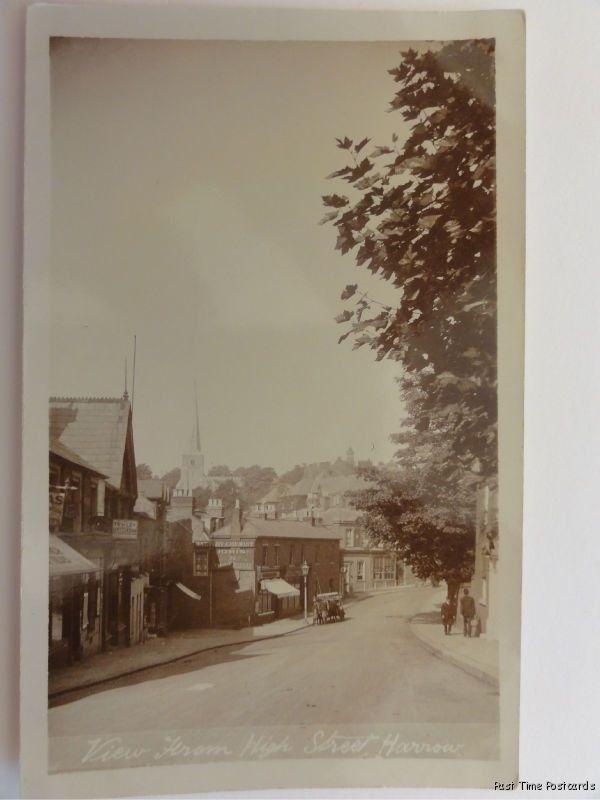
x,y
92,455
256,569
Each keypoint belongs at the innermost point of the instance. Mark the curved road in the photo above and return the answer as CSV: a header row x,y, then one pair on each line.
x,y
367,671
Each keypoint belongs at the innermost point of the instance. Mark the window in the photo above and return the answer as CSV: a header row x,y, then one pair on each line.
x,y
383,568
389,569
358,538
54,475
348,537
265,555
276,555
93,498
378,568
316,554
360,571
200,562
264,601
292,548
93,602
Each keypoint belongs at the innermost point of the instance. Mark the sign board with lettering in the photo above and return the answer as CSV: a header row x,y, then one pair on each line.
x,y
238,553
124,528
57,504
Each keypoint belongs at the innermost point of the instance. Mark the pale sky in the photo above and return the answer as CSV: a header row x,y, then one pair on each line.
x,y
187,183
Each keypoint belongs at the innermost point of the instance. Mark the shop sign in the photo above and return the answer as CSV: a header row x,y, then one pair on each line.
x,y
57,504
238,553
125,528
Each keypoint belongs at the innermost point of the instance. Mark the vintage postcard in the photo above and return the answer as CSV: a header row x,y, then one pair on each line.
x,y
273,349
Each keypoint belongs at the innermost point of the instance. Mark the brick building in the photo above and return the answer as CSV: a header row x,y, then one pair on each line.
x,y
250,571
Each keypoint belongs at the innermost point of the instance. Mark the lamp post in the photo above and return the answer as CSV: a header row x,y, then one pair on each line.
x,y
305,568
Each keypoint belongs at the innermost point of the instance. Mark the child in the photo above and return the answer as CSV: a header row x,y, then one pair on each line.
x,y
447,616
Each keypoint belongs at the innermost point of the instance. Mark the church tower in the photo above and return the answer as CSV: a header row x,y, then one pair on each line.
x,y
192,461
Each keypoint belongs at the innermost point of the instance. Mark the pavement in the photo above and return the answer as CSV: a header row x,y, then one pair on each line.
x,y
123,661
363,687
477,656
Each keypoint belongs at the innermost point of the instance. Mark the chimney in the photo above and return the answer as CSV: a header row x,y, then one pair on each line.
x,y
236,520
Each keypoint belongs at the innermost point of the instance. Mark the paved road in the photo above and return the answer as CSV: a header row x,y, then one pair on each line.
x,y
369,670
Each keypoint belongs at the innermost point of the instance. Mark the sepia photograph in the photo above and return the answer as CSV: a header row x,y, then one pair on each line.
x,y
274,377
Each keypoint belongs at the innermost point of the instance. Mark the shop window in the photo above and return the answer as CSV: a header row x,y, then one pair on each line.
x,y
54,475
265,555
93,498
200,563
265,602
378,568
389,569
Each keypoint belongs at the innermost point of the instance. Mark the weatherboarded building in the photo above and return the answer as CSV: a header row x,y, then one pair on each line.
x,y
93,481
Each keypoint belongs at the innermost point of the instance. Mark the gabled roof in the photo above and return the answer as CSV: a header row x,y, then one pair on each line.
x,y
278,529
275,493
64,452
95,428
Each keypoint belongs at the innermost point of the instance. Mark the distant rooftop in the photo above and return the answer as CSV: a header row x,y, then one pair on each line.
x,y
254,527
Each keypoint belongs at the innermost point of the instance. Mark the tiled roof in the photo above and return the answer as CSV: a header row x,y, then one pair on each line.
x,y
95,428
62,451
278,529
275,493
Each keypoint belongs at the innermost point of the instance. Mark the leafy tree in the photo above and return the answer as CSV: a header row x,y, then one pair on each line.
x,y
256,482
144,472
172,477
221,469
437,541
421,214
293,475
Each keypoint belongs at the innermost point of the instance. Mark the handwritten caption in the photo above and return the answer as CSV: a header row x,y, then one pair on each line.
x,y
114,750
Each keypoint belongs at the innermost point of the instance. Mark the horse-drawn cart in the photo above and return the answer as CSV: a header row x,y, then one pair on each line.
x,y
328,607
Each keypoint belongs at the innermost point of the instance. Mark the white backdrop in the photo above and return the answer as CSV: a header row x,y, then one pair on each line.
x,y
560,707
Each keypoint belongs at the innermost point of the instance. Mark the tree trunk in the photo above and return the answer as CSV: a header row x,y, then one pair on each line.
x,y
453,590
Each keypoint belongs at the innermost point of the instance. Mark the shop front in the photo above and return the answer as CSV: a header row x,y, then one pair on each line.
x,y
75,605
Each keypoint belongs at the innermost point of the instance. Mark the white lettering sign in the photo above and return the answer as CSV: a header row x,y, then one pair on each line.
x,y
124,529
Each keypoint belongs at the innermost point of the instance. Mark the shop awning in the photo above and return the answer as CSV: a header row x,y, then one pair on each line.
x,y
279,587
64,560
187,591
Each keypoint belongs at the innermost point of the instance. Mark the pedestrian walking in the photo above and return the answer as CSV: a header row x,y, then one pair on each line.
x,y
447,616
467,610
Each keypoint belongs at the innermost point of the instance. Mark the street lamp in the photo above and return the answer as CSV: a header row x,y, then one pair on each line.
x,y
305,568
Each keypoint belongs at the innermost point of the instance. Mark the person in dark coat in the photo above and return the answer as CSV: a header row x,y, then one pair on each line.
x,y
467,610
447,616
